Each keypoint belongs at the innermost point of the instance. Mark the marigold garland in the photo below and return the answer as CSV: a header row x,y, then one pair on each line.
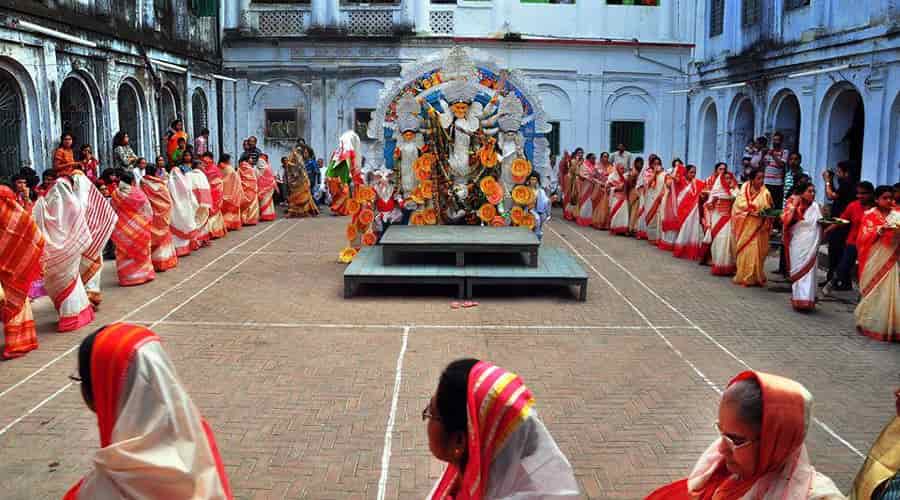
x,y
487,212
498,221
366,216
520,168
369,239
353,206
417,218
522,195
365,193
430,216
488,157
495,197
351,232
346,255
488,185
426,189
528,221
517,214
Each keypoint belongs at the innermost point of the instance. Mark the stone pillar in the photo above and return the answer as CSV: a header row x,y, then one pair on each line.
x,y
316,91
667,17
319,13
875,108
422,16
244,18
334,13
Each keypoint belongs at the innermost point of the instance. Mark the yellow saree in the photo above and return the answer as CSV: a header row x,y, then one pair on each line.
x,y
751,235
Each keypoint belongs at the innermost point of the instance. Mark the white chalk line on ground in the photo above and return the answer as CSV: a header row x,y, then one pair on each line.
x,y
350,326
828,430
171,312
392,417
139,308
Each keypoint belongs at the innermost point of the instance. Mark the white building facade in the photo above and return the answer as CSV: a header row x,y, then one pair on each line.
x,y
94,67
826,73
604,70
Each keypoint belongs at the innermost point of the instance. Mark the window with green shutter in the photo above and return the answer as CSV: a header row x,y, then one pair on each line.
x,y
631,134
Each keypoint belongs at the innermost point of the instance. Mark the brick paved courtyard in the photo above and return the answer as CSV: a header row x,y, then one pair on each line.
x,y
312,396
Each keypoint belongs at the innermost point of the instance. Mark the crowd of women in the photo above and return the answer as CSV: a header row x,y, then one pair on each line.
x,y
727,225
148,215
481,420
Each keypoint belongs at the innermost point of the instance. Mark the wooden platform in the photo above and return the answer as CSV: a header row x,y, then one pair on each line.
x,y
556,267
460,241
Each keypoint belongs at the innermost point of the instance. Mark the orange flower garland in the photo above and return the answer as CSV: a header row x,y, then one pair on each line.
x,y
430,216
369,239
365,193
488,185
517,214
520,168
487,212
528,221
426,189
366,216
488,156
498,221
522,195
353,206
347,254
351,232
417,218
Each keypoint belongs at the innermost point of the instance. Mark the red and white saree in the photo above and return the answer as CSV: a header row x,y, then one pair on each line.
x,y
132,235
653,200
586,184
619,217
878,312
232,194
250,195
600,196
101,220
644,180
675,192
801,244
266,184
216,223
60,218
162,247
203,197
718,241
689,241
510,454
184,211
153,441
21,246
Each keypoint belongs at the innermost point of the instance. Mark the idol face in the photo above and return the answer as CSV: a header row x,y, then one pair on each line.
x,y
409,135
460,109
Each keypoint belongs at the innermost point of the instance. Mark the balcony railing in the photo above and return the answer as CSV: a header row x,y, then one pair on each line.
x,y
370,20
278,21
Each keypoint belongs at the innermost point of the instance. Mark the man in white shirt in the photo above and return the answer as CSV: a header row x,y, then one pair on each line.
x,y
621,156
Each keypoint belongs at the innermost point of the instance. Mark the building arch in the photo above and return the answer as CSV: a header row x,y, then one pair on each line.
x,y
558,111
199,111
358,103
282,117
131,108
892,173
80,109
741,123
630,104
784,116
842,127
709,135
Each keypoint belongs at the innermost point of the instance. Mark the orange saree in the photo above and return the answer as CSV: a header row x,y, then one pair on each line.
x,y
162,248
215,223
266,184
132,235
232,193
878,312
250,196
751,235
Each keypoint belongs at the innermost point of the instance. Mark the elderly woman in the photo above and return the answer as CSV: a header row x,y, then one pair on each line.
x,y
760,453
153,441
483,423
802,236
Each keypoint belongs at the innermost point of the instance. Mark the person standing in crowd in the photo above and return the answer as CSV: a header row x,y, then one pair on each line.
x,y
879,477
619,216
265,182
761,451
232,194
132,236
216,222
64,157
153,441
675,192
123,155
634,195
801,233
487,433
101,220
653,201
48,179
751,231
201,143
174,136
177,155
599,188
840,196
719,236
620,155
139,170
251,152
774,160
689,241
296,171
865,199
203,201
89,163
249,194
162,247
21,248
570,211
586,185
878,312
793,174
562,180
184,211
313,171
25,196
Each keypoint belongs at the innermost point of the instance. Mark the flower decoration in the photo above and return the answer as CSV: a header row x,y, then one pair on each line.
x,y
430,216
528,221
369,239
366,216
520,169
426,188
351,232
498,221
487,212
488,157
417,218
522,195
353,206
488,185
417,196
517,215
495,197
365,193
347,254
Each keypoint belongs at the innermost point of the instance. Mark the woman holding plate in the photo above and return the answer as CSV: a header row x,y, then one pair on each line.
x,y
800,220
878,241
751,230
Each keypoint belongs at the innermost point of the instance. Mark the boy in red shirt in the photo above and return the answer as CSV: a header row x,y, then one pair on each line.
x,y
865,199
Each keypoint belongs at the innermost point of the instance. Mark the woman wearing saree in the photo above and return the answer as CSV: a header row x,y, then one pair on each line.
x,y
265,180
879,478
300,200
132,235
483,423
232,194
562,179
162,247
719,239
878,241
761,452
689,241
64,156
634,195
60,218
751,231
249,195
175,133
600,194
800,220
215,224
203,198
101,221
570,209
153,441
184,211
586,183
619,218
653,200
675,193
21,246
644,181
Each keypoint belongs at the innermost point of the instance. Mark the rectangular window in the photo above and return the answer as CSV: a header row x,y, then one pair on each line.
x,y
631,134
751,11
361,118
716,17
282,124
795,4
642,3
553,139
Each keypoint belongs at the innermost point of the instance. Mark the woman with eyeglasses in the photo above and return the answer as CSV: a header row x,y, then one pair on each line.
x,y
760,453
483,423
153,441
